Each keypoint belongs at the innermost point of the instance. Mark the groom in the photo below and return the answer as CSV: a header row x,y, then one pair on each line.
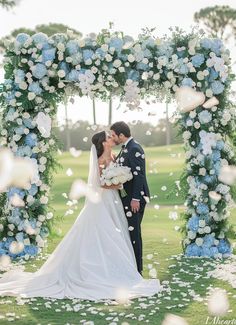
x,y
132,155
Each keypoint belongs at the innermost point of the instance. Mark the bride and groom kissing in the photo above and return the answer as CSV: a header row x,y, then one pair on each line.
x,y
102,252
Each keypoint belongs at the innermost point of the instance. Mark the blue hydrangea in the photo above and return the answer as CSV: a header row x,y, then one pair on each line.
x,y
72,47
214,251
33,190
48,55
198,60
187,82
165,49
213,74
193,250
31,139
20,74
217,87
183,68
220,144
87,54
39,71
100,53
117,43
19,130
202,208
217,167
31,250
142,66
14,190
206,43
204,117
42,39
216,46
224,247
193,223
133,75
208,179
19,236
73,75
34,87
206,251
22,38
23,151
216,155
208,240
28,123
64,66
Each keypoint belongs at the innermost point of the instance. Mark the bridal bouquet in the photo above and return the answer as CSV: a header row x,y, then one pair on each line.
x,y
115,174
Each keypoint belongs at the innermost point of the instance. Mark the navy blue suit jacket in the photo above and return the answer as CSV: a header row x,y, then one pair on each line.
x,y
133,156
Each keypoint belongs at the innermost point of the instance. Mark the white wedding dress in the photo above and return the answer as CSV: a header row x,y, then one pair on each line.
x,y
95,260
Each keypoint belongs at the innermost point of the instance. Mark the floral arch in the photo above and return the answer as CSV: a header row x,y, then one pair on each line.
x,y
39,71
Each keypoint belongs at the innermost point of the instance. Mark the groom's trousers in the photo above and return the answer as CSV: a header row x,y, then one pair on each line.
x,y
134,223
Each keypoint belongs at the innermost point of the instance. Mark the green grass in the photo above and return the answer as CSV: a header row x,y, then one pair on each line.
x,y
185,281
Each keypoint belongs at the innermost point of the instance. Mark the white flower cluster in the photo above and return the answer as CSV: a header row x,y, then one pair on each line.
x,y
115,174
132,94
208,140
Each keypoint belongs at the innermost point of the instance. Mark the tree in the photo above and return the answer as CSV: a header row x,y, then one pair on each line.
x,y
219,21
110,111
94,113
8,4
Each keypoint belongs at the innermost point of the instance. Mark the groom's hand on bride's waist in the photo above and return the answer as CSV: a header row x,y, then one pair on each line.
x,y
135,205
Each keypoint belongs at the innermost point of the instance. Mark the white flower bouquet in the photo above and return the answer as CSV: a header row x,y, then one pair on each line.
x,y
115,174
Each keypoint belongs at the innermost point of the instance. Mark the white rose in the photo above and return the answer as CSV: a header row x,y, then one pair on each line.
x,y
31,96
199,241
61,73
131,58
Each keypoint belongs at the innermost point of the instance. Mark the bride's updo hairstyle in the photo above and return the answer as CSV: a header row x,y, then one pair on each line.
x,y
97,140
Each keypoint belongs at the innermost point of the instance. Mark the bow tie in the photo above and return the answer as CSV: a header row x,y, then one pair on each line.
x,y
123,146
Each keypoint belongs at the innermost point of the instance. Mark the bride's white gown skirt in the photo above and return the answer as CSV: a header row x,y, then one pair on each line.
x,y
93,261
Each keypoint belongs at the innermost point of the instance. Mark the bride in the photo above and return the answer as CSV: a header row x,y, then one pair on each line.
x,y
95,259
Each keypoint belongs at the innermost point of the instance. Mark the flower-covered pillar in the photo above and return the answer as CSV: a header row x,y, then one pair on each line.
x,y
39,71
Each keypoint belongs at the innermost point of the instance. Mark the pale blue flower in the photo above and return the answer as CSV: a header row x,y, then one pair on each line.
x,y
39,71
193,223
48,55
87,54
198,60
100,53
42,39
117,43
193,250
33,190
133,75
19,236
72,47
22,38
217,87
224,246
31,139
19,130
202,208
187,82
204,117
34,87
28,123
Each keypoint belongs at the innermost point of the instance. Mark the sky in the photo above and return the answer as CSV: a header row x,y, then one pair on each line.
x,y
91,16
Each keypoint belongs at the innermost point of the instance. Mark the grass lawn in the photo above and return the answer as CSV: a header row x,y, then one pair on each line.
x,y
185,281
